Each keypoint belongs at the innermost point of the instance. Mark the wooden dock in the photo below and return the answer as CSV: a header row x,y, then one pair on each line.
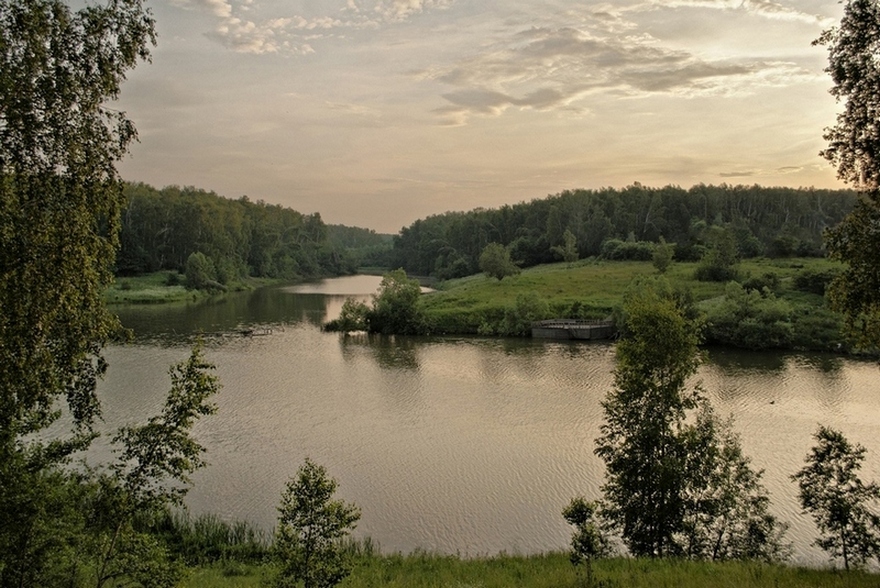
x,y
573,329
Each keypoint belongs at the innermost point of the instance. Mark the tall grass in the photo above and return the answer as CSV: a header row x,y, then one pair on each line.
x,y
207,539
553,570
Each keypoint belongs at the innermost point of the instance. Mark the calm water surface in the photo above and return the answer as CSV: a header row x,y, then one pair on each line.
x,y
455,445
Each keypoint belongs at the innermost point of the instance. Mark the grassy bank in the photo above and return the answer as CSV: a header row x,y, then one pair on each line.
x,y
591,289
163,287
545,571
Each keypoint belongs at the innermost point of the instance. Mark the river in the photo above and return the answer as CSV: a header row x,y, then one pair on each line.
x,y
453,445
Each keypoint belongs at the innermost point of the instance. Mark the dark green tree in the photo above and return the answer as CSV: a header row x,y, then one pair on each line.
x,y
495,262
839,501
854,67
311,528
855,291
854,148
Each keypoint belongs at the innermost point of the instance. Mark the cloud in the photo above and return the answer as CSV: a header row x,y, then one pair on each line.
x,y
286,31
546,69
740,174
399,10
763,8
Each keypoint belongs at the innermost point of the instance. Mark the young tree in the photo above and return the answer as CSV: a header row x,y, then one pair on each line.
x,y
832,492
640,442
151,474
588,542
662,257
677,483
495,262
727,508
568,251
311,528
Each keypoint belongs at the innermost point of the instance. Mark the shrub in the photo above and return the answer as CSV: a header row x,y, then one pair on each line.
x,y
814,281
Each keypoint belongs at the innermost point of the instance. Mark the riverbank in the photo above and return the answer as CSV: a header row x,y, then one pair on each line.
x,y
784,297
167,287
544,571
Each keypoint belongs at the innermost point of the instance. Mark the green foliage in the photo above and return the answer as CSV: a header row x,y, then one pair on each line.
x,y
199,271
588,542
662,256
395,308
568,251
60,202
311,529
549,570
839,502
449,245
854,148
517,321
618,250
727,508
208,539
394,311
675,484
751,319
495,262
352,317
157,458
814,281
719,262
240,238
644,483
767,281
853,46
855,292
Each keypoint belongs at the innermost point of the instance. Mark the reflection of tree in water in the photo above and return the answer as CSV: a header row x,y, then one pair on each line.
x,y
389,351
824,362
264,308
733,361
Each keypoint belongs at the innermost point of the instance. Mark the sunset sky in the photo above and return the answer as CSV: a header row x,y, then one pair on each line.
x,y
375,113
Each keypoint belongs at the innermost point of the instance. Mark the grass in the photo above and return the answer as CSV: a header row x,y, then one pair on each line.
x,y
148,289
165,286
597,286
553,570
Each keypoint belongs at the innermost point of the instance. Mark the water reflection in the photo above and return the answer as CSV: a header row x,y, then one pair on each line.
x,y
388,351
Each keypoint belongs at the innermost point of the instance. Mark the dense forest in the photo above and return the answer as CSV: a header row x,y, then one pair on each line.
x,y
775,222
162,229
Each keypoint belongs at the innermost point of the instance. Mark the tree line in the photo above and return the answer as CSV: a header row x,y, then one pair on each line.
x,y
160,229
763,221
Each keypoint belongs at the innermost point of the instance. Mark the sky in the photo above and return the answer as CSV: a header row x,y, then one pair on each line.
x,y
375,113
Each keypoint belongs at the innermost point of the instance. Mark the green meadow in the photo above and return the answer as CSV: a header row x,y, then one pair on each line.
x,y
553,570
595,287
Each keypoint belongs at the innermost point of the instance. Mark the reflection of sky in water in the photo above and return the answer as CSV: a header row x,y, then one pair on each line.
x,y
467,445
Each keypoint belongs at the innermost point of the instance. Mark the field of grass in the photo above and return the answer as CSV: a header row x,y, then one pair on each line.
x,y
148,289
553,570
162,287
597,286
